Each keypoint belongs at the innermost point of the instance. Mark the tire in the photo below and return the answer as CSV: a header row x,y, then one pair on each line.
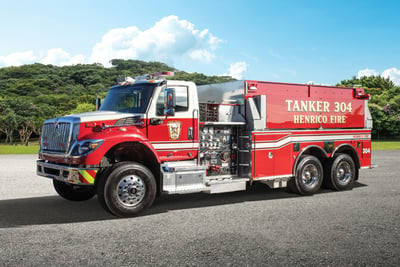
x,y
341,173
73,193
308,178
127,189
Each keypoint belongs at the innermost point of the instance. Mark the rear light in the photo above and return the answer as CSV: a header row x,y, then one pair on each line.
x,y
359,94
252,86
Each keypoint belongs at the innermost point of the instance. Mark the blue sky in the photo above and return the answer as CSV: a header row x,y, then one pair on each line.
x,y
285,41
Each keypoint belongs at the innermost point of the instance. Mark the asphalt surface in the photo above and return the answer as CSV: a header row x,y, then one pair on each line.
x,y
259,227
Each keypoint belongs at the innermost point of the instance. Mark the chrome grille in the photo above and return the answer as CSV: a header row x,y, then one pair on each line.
x,y
56,136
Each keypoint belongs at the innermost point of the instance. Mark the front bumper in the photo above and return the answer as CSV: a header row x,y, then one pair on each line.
x,y
71,175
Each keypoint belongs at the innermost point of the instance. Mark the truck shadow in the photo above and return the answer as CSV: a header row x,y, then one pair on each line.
x,y
55,210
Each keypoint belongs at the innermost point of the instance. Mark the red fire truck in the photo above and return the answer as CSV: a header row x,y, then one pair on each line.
x,y
152,135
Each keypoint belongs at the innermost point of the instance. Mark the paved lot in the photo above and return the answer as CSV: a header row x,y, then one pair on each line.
x,y
258,227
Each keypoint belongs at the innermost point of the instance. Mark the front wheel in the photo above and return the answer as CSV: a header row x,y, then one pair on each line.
x,y
73,193
127,189
309,176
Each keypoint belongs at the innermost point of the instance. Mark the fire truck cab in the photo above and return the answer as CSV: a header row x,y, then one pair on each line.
x,y
152,135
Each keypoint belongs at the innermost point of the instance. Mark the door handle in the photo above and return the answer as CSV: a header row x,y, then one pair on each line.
x,y
190,133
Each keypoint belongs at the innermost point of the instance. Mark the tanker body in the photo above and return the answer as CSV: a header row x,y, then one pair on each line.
x,y
153,136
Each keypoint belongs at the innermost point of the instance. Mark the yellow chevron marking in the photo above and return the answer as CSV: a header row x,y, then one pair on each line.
x,y
87,176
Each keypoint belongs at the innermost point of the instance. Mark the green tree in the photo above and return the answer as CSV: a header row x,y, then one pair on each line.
x,y
83,107
30,94
8,121
369,82
384,104
26,113
8,124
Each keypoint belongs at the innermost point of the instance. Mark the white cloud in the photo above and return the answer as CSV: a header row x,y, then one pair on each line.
x,y
393,74
58,56
367,72
201,55
78,59
55,56
17,59
237,70
168,40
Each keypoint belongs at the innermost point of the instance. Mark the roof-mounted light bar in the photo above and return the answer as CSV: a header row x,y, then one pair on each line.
x,y
149,77
155,76
125,81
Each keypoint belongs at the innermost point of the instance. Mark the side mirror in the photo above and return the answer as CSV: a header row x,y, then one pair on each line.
x,y
98,103
169,102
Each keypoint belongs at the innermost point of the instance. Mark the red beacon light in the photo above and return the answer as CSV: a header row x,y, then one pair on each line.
x,y
163,74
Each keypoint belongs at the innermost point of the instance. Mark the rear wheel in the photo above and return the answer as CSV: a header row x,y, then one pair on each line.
x,y
73,193
342,173
127,189
309,176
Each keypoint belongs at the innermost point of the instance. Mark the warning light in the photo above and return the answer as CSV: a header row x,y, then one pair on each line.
x,y
146,77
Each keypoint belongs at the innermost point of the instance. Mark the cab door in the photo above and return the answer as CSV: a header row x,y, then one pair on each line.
x,y
173,137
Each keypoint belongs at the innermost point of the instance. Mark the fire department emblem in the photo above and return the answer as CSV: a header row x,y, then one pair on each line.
x,y
174,129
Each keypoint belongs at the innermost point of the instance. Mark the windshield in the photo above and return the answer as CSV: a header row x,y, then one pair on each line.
x,y
128,99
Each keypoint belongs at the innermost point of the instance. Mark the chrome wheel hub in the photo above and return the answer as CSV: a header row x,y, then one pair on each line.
x,y
309,175
343,172
131,190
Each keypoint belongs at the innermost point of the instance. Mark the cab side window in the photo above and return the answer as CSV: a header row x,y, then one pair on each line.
x,y
160,103
181,99
182,103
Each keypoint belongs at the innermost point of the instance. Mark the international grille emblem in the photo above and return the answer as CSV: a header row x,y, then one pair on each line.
x,y
174,129
56,127
56,124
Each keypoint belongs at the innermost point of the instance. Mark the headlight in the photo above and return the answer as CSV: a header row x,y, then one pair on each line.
x,y
85,147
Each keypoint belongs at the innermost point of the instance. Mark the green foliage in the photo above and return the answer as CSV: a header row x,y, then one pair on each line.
x,y
199,78
384,104
29,94
18,115
370,82
136,67
84,107
8,121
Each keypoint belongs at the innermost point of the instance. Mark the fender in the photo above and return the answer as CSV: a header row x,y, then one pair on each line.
x,y
354,154
322,153
114,137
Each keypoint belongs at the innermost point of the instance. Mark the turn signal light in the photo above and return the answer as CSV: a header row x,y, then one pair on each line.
x,y
94,126
90,124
